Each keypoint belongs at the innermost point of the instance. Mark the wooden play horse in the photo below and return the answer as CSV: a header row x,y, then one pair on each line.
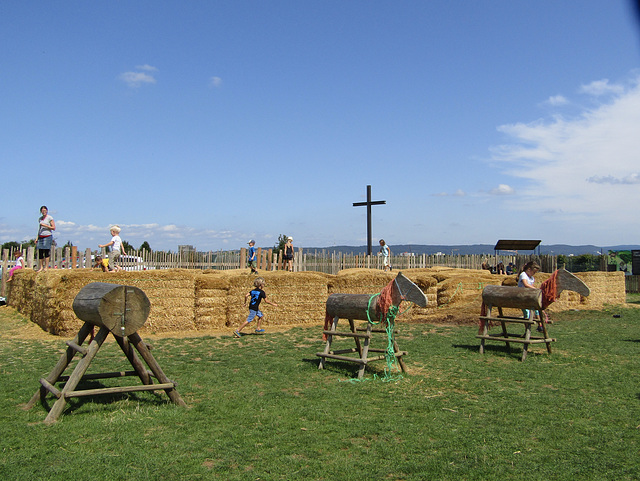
x,y
118,310
532,300
372,309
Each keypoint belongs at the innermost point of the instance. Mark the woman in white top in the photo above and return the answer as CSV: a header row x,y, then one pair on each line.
x,y
46,226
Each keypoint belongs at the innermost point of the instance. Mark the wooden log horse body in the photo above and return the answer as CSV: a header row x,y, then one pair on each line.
x,y
366,308
363,307
532,300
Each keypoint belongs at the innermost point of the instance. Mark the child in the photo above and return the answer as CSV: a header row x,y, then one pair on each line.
x,y
526,279
19,264
116,247
252,256
256,295
102,264
386,253
288,254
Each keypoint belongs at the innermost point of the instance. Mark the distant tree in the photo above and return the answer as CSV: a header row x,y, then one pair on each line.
x,y
586,262
282,240
625,256
145,247
127,247
11,245
69,244
561,260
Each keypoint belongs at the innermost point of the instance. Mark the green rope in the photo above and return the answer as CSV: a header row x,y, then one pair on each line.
x,y
390,355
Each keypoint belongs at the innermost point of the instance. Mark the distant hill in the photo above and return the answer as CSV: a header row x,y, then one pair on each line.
x,y
477,249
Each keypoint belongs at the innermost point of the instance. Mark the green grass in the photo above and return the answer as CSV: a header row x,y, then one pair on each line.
x,y
259,409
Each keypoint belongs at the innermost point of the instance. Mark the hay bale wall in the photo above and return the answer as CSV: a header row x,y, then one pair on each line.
x,y
192,300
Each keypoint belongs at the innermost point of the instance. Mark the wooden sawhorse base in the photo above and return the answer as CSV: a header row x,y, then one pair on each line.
x,y
88,354
526,339
362,349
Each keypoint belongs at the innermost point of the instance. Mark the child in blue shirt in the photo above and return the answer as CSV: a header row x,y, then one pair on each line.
x,y
252,256
256,294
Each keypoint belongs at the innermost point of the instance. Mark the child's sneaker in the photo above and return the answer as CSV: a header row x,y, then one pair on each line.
x,y
259,331
237,333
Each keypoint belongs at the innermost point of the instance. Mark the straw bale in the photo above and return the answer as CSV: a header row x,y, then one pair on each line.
x,y
301,297
359,281
197,300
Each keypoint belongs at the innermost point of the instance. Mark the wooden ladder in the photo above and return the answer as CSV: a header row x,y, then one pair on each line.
x,y
362,349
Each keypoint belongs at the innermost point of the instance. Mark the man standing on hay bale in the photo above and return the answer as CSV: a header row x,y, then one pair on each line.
x,y
257,294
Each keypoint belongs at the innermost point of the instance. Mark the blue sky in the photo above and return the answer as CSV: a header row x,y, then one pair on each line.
x,y
212,122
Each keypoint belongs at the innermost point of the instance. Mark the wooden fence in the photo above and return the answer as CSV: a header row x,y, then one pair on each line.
x,y
330,262
632,284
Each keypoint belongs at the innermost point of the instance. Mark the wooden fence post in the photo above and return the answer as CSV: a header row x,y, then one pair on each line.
x,y
243,258
5,264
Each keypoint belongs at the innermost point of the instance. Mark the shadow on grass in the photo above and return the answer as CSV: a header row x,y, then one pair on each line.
x,y
148,398
515,353
344,368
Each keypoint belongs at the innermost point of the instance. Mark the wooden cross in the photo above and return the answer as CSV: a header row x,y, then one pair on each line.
x,y
369,203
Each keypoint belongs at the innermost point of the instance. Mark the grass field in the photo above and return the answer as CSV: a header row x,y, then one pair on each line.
x,y
259,409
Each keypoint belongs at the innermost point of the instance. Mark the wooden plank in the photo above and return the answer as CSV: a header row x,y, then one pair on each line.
x,y
347,334
74,346
51,388
104,375
520,320
119,390
341,358
531,340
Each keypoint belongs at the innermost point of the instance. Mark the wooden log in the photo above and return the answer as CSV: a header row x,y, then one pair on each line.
x,y
121,309
74,346
352,306
516,297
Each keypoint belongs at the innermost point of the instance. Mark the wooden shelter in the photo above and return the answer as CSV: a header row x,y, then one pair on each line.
x,y
117,310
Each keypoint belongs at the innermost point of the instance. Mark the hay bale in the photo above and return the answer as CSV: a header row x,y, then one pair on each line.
x,y
184,299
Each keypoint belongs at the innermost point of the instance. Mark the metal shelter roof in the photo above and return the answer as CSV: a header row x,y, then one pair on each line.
x,y
516,245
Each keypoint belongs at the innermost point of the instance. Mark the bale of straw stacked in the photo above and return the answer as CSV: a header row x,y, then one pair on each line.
x,y
49,301
300,296
191,300
211,293
171,293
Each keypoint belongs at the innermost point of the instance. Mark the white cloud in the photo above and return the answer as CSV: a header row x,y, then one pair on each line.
x,y
502,189
557,100
215,82
633,178
135,79
583,168
601,87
